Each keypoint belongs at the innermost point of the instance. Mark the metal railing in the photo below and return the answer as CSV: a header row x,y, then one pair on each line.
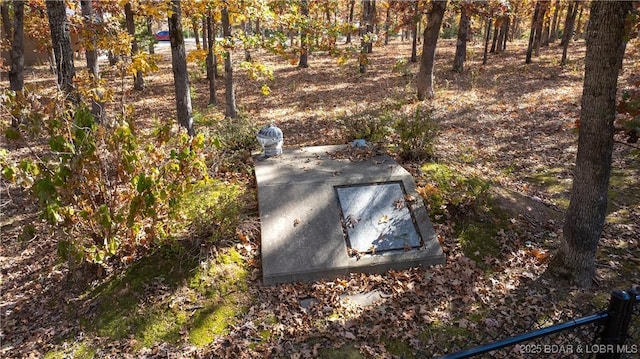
x,y
618,336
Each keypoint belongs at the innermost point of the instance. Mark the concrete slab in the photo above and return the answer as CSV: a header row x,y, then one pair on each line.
x,y
303,238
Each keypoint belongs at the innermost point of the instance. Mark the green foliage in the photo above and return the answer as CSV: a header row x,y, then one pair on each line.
x,y
106,193
212,209
446,190
416,136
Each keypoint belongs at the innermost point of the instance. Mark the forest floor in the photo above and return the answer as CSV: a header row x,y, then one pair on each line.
x,y
504,144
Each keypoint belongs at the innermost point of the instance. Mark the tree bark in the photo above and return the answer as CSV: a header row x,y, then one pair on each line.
x,y
211,71
431,33
553,36
587,208
363,59
196,36
579,22
63,53
507,25
387,23
461,43
352,5
572,11
138,80
150,31
486,41
496,33
16,72
303,62
539,25
179,66
230,106
414,32
532,34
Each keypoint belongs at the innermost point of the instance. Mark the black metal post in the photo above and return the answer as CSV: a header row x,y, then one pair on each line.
x,y
616,327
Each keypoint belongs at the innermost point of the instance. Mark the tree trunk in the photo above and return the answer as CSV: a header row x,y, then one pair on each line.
x,y
352,5
507,25
496,32
63,53
461,44
91,53
211,71
553,36
431,33
150,31
231,109
532,34
179,66
414,31
579,22
205,42
486,41
546,33
194,25
303,63
387,23
588,205
138,80
572,11
539,24
16,56
363,59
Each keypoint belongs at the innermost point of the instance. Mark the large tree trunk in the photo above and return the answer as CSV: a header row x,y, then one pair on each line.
x,y
211,71
179,66
16,72
588,205
461,44
138,80
304,45
570,21
231,109
431,33
63,53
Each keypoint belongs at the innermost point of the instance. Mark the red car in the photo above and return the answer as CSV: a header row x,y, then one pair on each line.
x,y
162,36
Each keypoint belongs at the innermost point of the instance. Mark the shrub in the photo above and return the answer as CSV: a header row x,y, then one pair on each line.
x,y
104,192
416,135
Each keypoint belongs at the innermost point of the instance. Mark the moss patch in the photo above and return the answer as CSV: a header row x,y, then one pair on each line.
x,y
121,308
176,282
345,352
445,189
76,351
211,209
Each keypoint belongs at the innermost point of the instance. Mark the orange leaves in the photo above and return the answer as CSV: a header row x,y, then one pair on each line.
x,y
540,255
